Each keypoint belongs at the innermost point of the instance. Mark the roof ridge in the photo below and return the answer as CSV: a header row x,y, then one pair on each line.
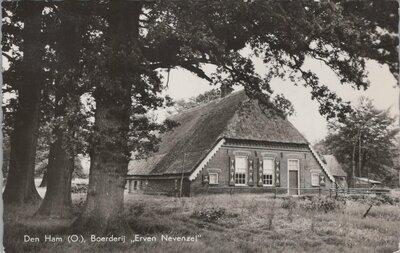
x,y
196,107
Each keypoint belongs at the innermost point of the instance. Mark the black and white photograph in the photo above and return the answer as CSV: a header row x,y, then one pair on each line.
x,y
200,126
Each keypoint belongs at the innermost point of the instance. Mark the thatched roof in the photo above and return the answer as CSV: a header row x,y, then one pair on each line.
x,y
333,166
234,116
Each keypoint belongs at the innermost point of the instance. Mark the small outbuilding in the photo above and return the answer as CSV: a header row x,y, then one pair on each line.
x,y
231,145
336,170
364,182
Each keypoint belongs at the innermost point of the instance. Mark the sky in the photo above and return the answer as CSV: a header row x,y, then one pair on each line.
x,y
383,91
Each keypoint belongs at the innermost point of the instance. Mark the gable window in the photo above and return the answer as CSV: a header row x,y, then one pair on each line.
x,y
240,170
213,177
315,179
268,171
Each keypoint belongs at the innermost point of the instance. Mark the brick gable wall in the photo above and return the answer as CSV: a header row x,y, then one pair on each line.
x,y
221,162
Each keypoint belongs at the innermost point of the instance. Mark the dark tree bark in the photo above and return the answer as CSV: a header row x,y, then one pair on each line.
x,y
363,163
359,152
110,153
57,201
20,187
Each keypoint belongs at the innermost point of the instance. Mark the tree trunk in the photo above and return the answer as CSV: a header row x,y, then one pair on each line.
x,y
110,154
20,187
57,202
109,161
353,166
364,162
359,153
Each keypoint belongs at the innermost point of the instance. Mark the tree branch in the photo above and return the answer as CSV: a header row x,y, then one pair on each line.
x,y
198,71
9,57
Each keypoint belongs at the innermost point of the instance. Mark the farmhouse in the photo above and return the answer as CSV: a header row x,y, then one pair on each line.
x,y
234,145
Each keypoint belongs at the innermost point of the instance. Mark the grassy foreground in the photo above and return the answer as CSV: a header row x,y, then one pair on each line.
x,y
224,223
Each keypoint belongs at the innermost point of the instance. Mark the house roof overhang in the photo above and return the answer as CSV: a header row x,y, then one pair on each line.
x,y
208,157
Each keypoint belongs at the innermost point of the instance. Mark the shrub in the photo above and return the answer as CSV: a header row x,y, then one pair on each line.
x,y
375,200
324,204
271,214
386,199
137,210
79,188
210,214
289,203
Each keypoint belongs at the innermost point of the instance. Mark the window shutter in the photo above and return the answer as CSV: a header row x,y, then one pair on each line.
x,y
277,173
205,179
260,172
231,171
251,172
321,180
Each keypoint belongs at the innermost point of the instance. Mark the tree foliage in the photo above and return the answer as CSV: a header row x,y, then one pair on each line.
x,y
190,34
284,34
181,104
369,133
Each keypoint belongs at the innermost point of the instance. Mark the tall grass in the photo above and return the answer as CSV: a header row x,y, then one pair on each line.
x,y
239,223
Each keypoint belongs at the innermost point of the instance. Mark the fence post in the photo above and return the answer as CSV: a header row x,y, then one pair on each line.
x,y
330,192
319,191
276,189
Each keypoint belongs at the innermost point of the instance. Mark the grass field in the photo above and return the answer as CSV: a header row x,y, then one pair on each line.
x,y
224,223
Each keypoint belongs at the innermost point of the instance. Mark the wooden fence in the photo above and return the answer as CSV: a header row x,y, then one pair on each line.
x,y
333,191
300,191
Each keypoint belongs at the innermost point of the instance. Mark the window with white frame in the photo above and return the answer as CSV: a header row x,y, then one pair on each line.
x,y
213,178
315,179
268,171
240,170
293,164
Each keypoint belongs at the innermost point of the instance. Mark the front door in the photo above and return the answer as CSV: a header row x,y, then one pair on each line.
x,y
293,182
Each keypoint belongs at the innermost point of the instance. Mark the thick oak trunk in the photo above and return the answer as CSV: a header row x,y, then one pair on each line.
x,y
105,197
20,187
109,162
110,154
57,201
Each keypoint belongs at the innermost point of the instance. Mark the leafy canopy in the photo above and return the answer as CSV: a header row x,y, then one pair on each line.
x,y
284,34
229,35
367,128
